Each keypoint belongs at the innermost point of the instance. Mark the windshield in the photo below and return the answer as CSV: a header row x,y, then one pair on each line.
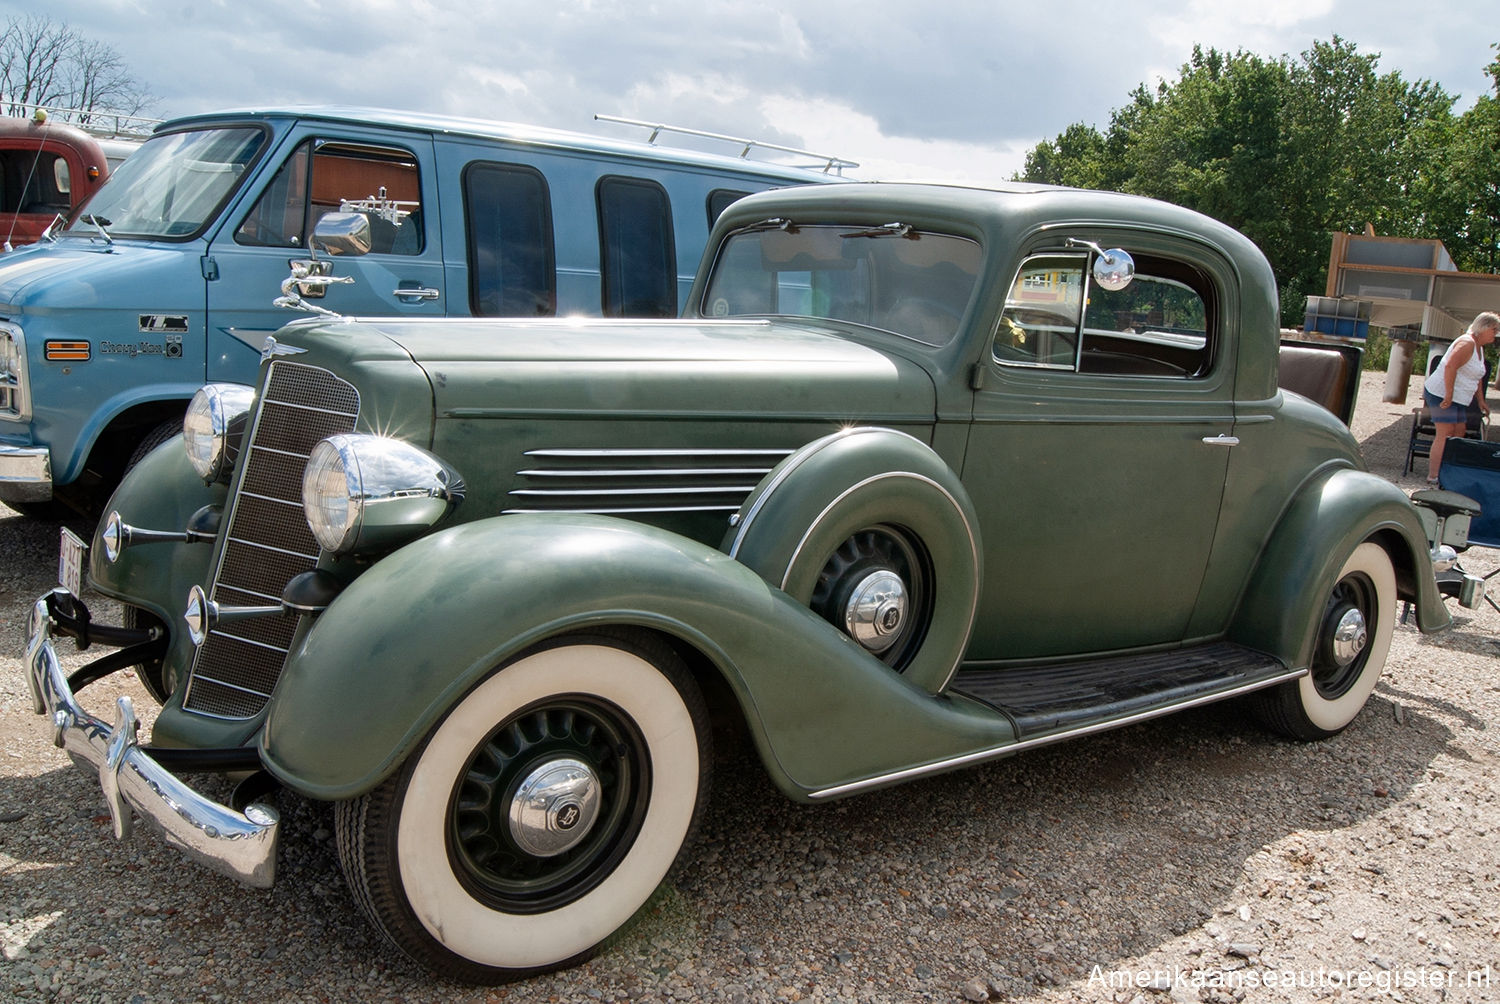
x,y
172,187
910,282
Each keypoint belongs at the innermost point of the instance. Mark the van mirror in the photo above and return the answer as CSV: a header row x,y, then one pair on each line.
x,y
343,234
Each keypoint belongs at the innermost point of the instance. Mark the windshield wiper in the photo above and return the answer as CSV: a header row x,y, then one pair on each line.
x,y
99,223
887,230
774,223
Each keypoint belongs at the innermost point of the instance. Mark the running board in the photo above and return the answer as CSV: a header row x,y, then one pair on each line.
x,y
1093,697
1048,698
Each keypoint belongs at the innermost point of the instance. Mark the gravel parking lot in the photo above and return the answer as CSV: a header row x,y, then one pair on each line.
x,y
1194,858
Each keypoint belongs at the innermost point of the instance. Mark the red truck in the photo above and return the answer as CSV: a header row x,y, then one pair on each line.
x,y
46,168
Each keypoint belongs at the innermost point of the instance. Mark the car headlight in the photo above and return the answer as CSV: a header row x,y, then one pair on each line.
x,y
214,426
367,493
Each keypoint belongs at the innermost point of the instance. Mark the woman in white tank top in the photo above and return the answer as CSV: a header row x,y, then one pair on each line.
x,y
1454,384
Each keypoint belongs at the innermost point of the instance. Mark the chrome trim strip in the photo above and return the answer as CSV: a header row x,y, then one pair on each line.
x,y
647,472
240,845
624,511
236,686
657,452
996,752
244,641
267,547
740,490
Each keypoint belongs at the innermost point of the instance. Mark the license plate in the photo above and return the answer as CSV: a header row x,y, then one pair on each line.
x,y
71,552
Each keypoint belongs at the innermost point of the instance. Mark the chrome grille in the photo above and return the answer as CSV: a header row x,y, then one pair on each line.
x,y
267,541
640,481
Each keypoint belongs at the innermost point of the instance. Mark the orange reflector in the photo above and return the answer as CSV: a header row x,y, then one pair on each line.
x,y
61,352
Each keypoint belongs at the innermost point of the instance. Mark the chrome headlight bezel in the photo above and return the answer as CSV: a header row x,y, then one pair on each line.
x,y
214,426
364,493
15,394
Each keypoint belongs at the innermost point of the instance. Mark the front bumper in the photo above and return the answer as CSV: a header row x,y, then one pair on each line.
x,y
240,845
25,474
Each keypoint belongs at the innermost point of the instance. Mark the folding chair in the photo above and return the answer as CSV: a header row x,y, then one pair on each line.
x,y
1465,512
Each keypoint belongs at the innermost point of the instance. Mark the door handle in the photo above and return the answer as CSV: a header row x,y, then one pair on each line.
x,y
416,293
1222,440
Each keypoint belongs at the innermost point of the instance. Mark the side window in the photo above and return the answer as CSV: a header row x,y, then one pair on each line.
x,y
1159,325
1042,311
637,254
321,177
719,200
512,258
33,182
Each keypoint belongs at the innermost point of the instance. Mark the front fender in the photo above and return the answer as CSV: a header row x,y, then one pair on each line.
x,y
407,639
160,493
1334,513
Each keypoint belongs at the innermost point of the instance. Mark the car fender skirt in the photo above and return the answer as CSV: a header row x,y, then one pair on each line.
x,y
1335,510
406,640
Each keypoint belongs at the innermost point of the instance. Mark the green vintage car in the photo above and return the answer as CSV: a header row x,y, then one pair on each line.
x,y
925,477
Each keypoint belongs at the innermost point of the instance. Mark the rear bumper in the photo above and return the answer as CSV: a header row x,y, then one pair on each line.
x,y
25,474
240,845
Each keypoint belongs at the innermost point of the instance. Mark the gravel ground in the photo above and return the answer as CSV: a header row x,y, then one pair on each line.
x,y
1194,858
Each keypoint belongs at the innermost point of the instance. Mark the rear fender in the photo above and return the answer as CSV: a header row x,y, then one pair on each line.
x,y
1337,510
383,664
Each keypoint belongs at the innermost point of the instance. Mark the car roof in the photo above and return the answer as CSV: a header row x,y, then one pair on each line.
x,y
508,132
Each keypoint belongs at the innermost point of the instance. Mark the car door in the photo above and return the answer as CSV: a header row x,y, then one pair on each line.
x,y
1099,450
387,177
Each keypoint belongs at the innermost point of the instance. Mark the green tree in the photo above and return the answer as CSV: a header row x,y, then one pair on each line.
x,y
1288,151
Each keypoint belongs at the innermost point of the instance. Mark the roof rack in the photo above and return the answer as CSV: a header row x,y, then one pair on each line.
x,y
98,123
829,165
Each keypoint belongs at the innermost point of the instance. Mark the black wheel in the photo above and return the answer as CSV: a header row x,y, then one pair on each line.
x,y
1349,652
538,815
877,587
151,440
152,674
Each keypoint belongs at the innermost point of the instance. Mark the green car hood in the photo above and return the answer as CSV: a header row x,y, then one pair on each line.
x,y
587,368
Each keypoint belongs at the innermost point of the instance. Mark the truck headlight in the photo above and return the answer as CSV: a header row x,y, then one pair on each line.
x,y
368,493
214,426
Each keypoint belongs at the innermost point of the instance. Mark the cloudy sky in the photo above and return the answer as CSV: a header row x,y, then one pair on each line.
x,y
942,88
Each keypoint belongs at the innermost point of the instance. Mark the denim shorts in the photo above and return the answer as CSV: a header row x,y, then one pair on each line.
x,y
1455,413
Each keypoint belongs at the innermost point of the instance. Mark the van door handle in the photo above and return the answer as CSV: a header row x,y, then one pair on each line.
x,y
1222,440
415,293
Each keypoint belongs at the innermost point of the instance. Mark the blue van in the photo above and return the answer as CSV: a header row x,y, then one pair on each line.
x,y
165,279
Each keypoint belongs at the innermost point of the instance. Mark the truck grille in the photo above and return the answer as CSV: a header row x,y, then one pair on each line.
x,y
267,541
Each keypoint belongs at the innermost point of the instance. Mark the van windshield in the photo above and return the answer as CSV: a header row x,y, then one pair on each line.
x,y
172,187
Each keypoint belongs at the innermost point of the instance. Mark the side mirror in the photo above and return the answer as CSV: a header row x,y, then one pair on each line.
x,y
343,234
1113,269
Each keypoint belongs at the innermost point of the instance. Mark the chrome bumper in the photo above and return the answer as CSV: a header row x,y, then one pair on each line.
x,y
25,474
240,845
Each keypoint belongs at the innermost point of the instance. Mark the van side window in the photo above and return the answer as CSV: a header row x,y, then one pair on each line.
x,y
719,200
319,177
637,254
512,259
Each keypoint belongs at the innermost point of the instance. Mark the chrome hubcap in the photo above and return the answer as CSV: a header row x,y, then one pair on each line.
x,y
876,610
555,807
1350,637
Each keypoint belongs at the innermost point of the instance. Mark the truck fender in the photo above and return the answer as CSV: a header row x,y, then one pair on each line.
x,y
1283,602
874,532
404,642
